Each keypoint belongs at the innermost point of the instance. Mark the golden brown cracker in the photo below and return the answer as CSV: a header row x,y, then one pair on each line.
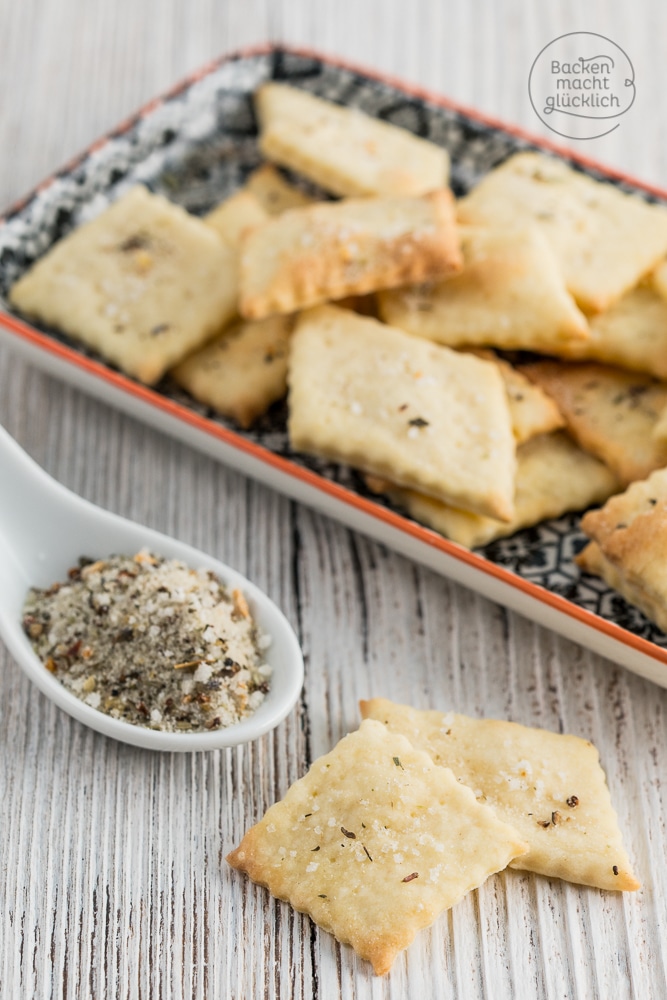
x,y
144,283
273,192
610,412
510,294
631,334
374,842
605,240
553,476
402,408
342,149
548,786
331,250
242,371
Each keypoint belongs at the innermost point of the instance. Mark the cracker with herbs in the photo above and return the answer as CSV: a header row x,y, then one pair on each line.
x,y
610,412
548,786
144,284
553,476
630,533
510,294
333,249
342,149
242,371
401,408
604,239
375,842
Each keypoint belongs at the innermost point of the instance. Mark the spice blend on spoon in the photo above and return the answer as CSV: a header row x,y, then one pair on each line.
x,y
151,642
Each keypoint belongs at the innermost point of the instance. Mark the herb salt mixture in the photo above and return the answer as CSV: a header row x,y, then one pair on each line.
x,y
152,642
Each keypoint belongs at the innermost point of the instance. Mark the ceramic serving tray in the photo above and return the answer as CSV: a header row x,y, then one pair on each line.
x,y
196,145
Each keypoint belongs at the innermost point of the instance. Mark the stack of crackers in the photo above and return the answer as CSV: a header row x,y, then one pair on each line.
x,y
415,809
380,313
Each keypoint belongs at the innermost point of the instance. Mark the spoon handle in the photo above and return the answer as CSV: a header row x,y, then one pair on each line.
x,y
22,486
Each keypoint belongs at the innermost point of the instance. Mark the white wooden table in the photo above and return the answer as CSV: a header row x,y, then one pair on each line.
x,y
112,878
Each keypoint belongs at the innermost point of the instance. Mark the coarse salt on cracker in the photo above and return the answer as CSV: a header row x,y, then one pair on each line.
x,y
342,149
374,843
550,787
553,476
610,412
330,250
242,371
402,408
144,283
605,240
510,294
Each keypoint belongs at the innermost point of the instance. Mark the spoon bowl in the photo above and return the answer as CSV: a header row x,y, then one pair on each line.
x,y
45,528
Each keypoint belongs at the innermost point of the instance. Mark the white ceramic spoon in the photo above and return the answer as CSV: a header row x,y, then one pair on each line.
x,y
44,529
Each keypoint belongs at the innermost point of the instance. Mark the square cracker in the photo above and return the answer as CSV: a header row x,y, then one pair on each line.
x,y
605,240
592,561
532,412
631,536
631,334
402,408
144,283
273,192
242,371
553,476
342,149
550,787
374,843
609,412
334,249
235,216
510,294
658,278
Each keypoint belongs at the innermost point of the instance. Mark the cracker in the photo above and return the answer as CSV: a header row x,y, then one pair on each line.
x,y
631,334
553,476
236,216
611,413
549,787
273,192
605,240
510,294
659,431
344,150
658,279
374,843
532,412
334,249
592,561
144,283
631,533
402,408
242,371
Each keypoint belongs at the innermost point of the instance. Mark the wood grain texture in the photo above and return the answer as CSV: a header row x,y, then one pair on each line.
x,y
112,875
